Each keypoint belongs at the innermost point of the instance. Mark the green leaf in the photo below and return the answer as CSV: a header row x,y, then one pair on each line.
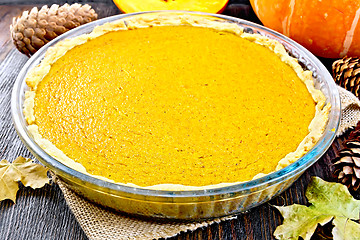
x,y
345,229
299,220
328,201
332,198
22,169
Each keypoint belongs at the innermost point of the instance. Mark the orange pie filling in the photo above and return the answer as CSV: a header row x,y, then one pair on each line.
x,y
178,105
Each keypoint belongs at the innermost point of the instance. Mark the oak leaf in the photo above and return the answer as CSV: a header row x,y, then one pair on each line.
x,y
328,201
21,169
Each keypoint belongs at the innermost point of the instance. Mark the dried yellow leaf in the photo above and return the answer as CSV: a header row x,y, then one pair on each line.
x,y
22,169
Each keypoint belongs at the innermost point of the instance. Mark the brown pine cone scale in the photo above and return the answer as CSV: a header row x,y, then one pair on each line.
x,y
346,73
347,165
34,29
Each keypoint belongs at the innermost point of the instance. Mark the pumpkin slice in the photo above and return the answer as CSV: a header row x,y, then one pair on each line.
x,y
210,6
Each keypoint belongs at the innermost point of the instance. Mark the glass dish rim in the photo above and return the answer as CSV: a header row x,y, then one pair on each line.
x,y
272,178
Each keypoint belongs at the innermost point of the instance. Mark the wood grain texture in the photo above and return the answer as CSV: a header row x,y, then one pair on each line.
x,y
43,214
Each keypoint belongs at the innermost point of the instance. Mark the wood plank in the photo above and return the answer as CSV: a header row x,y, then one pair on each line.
x,y
43,214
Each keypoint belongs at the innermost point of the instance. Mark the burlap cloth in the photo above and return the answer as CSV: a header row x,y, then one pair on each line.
x,y
350,111
103,224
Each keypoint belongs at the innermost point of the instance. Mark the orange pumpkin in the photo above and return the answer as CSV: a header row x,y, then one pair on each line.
x,y
328,28
210,6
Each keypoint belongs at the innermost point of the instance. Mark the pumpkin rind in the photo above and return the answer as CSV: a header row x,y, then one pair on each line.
x,y
327,28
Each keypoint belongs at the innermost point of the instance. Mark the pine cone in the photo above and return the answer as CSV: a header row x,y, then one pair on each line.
x,y
346,73
31,31
347,164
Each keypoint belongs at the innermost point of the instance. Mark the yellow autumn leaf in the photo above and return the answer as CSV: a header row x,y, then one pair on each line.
x,y
22,169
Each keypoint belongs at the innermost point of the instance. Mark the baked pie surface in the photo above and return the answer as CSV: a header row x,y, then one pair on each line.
x,y
173,103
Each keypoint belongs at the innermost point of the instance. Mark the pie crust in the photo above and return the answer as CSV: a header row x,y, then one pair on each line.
x,y
35,76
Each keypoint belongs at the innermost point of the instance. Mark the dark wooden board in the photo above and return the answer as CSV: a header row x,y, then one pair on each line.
x,y
43,213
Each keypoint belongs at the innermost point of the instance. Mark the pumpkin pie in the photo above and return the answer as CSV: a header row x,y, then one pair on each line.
x,y
173,102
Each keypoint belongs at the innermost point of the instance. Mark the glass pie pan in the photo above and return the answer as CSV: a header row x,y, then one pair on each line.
x,y
192,204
